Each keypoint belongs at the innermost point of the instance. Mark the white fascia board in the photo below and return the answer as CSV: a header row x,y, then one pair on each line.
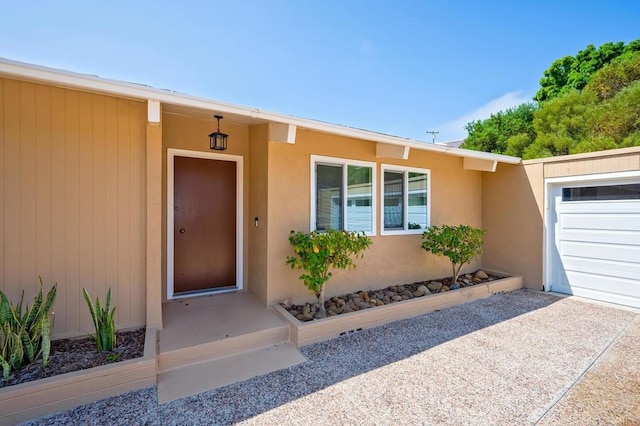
x,y
136,91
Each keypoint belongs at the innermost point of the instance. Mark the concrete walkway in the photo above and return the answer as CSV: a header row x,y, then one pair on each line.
x,y
519,358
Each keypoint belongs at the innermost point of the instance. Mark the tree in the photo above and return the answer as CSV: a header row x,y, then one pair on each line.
x,y
570,73
560,124
616,76
317,252
460,244
493,133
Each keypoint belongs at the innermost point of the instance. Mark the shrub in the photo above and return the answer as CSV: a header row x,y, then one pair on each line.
x,y
103,322
317,252
25,337
460,244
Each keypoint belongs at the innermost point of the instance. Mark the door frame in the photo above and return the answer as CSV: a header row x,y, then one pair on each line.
x,y
171,154
551,190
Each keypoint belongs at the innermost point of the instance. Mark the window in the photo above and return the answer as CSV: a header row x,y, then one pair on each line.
x,y
630,191
343,195
405,200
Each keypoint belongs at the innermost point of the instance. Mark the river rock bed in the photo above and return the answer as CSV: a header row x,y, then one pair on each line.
x,y
69,355
360,300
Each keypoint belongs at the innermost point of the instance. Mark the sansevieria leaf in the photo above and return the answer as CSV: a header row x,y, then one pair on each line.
x,y
105,331
23,336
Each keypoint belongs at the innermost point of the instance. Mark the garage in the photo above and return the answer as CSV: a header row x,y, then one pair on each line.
x,y
593,237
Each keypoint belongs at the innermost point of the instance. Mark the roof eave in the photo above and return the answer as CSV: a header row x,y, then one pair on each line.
x,y
136,91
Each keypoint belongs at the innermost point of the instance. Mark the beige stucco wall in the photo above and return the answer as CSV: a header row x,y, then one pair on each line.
x,y
72,195
191,133
258,208
513,206
512,215
455,199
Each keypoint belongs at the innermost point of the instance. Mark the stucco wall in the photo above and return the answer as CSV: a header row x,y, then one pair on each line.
x,y
512,215
513,206
72,194
191,133
455,199
258,208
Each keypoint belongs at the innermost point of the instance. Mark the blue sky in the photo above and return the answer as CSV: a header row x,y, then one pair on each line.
x,y
401,67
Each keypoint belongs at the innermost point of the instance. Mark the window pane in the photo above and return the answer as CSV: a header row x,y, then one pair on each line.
x,y
359,199
328,197
393,200
417,201
629,191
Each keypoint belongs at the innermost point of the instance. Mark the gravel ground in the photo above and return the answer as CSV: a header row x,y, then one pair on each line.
x,y
506,360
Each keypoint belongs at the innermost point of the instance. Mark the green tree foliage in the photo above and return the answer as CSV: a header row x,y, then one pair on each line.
x,y
560,123
504,131
579,122
616,76
570,73
317,252
460,244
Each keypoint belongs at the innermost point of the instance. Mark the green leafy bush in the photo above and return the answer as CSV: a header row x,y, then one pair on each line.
x,y
460,244
103,322
25,337
316,252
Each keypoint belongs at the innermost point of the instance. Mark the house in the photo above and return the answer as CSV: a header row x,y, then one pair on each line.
x,y
112,184
90,166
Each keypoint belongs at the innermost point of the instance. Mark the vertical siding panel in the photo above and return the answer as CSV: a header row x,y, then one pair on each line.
x,y
112,142
100,120
122,179
625,162
137,214
596,165
28,255
59,214
43,211
12,208
88,192
3,180
72,203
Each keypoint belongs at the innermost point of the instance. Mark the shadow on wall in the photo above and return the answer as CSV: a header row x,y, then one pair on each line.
x,y
512,206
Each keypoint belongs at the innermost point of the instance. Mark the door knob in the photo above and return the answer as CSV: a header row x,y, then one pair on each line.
x,y
182,230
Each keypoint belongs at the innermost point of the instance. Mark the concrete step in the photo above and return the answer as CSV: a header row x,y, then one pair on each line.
x,y
220,348
210,374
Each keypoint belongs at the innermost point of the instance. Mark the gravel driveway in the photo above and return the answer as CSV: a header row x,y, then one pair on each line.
x,y
523,357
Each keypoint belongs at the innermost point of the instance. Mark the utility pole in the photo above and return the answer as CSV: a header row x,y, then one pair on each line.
x,y
433,135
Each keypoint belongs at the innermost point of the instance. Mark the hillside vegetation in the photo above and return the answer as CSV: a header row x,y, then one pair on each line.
x,y
586,103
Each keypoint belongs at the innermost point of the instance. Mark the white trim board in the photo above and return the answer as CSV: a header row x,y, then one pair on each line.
x,y
344,162
171,154
405,171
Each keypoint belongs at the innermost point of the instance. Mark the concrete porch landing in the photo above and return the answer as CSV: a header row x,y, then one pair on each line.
x,y
212,341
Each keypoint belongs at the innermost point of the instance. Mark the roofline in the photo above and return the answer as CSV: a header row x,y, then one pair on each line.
x,y
137,91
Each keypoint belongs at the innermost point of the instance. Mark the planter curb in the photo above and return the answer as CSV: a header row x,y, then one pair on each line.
x,y
306,333
39,398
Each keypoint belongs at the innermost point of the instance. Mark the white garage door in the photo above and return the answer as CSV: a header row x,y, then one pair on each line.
x,y
593,239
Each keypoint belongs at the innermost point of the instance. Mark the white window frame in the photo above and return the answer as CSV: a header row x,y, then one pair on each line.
x,y
405,171
344,162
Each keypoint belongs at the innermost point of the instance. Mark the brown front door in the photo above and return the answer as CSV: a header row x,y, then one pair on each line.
x,y
204,229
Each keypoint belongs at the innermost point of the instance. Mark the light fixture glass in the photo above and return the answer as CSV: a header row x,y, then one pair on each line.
x,y
217,139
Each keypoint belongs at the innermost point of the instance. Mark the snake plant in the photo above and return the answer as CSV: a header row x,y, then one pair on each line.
x,y
25,336
103,322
